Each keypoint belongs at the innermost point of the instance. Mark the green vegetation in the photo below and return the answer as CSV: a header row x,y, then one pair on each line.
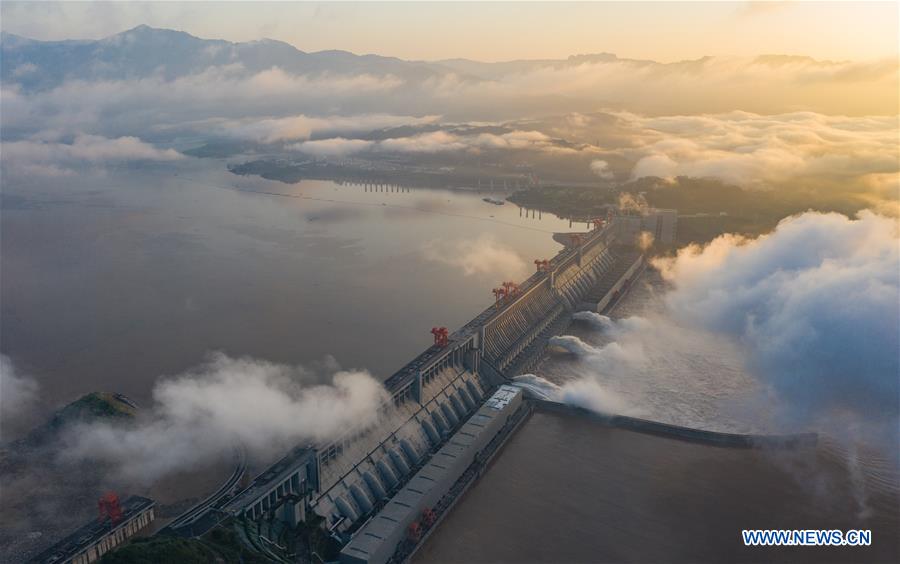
x,y
220,545
96,405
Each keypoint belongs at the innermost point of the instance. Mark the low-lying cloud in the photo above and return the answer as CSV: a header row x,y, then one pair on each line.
x,y
134,106
601,169
749,149
439,142
198,417
767,84
302,127
55,158
815,306
17,394
484,255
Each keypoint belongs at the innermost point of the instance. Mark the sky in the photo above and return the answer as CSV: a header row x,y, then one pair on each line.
x,y
662,31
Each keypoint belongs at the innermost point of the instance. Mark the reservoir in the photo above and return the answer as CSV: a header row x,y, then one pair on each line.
x,y
113,280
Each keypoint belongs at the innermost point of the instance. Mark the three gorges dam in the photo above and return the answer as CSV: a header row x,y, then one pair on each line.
x,y
448,407
378,492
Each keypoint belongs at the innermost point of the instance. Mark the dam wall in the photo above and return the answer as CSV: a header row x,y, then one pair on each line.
x,y
436,392
509,328
359,472
351,480
712,438
604,295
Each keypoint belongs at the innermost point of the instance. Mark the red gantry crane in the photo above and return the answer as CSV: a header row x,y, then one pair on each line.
x,y
506,290
108,506
428,518
511,288
441,336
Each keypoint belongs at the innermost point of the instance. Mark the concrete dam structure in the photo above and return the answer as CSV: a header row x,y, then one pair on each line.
x,y
444,413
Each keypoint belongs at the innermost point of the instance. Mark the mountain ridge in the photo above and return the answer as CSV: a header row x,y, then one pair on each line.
x,y
144,51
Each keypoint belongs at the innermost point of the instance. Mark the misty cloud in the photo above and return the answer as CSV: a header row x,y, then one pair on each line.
x,y
815,305
52,158
439,142
484,256
200,416
301,127
334,147
17,392
425,143
751,150
601,169
323,105
765,84
160,81
131,106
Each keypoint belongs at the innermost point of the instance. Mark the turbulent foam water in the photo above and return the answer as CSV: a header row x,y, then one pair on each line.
x,y
579,392
642,363
573,344
538,388
595,319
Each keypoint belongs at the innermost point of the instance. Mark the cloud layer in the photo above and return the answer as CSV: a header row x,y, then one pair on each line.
x,y
17,393
814,303
751,149
53,158
751,121
200,416
484,256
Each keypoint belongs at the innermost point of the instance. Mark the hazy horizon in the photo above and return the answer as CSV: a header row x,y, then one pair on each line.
x,y
484,31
